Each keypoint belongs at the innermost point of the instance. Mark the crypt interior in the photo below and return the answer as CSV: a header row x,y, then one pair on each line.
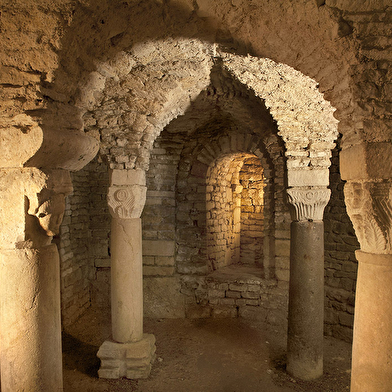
x,y
189,162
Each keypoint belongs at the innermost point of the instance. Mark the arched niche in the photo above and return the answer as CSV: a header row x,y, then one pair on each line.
x,y
235,212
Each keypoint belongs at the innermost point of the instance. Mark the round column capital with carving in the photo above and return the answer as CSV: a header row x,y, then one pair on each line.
x,y
369,206
308,203
127,201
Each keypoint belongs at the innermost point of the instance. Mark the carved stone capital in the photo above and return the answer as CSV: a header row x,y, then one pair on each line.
x,y
370,209
45,194
308,203
126,202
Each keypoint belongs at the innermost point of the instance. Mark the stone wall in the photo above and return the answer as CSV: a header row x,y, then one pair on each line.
x,y
197,181
84,243
340,261
251,178
223,212
39,74
74,253
173,286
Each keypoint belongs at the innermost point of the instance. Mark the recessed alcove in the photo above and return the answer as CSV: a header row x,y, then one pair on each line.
x,y
235,212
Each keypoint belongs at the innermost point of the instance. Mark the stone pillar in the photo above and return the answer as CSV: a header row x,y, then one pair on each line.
x,y
372,345
306,293
370,209
130,353
30,313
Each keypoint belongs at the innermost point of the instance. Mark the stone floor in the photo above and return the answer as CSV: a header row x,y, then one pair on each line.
x,y
202,355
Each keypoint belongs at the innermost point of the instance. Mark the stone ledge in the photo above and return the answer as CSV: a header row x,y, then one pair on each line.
x,y
130,360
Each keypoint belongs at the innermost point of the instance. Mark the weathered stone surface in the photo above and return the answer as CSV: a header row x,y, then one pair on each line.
x,y
131,80
306,301
366,161
130,360
369,206
20,138
35,274
162,297
126,202
127,177
158,248
126,280
371,347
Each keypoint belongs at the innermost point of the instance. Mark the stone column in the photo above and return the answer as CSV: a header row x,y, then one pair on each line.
x,y
30,314
306,291
130,353
369,204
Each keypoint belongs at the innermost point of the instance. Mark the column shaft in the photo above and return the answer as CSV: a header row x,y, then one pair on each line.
x,y
127,280
30,332
372,344
306,300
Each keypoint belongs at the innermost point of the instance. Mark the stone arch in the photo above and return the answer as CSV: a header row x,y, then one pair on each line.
x,y
98,34
86,56
156,108
145,85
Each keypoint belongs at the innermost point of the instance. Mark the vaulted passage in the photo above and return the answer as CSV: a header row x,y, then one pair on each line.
x,y
193,151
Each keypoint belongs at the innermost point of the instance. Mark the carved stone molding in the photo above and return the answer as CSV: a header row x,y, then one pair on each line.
x,y
370,209
308,203
126,202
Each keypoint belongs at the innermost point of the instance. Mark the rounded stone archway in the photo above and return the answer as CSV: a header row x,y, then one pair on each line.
x,y
78,61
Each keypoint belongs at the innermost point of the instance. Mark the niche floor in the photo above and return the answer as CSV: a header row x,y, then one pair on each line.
x,y
202,355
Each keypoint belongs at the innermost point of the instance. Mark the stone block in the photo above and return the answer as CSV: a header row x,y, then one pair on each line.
x,y
282,275
240,302
102,263
250,295
214,293
164,260
282,248
130,360
109,372
254,288
227,301
366,161
237,287
310,177
233,294
158,248
127,177
282,263
152,270
223,286
346,319
148,260
252,302
137,373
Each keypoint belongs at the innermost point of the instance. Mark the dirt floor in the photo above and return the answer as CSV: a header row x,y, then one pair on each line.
x,y
202,355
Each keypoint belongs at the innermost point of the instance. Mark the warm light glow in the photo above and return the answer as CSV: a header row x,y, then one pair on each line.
x,y
234,195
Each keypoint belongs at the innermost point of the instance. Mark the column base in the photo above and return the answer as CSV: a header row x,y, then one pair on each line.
x,y
130,360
